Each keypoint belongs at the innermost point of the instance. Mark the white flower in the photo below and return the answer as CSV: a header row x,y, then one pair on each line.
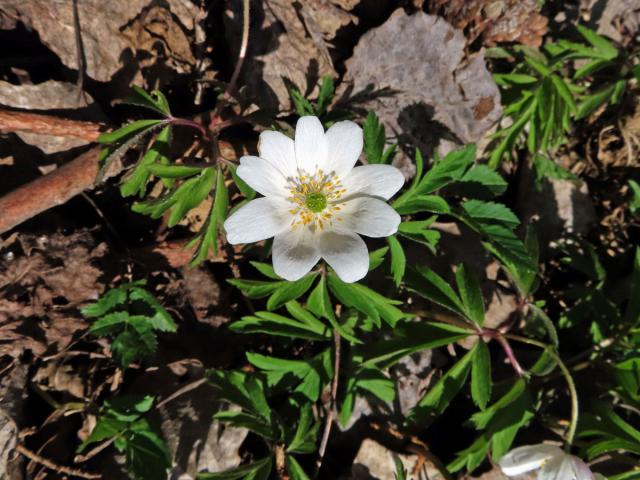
x,y
554,464
315,202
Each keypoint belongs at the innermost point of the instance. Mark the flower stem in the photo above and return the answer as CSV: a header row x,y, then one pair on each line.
x,y
189,123
573,424
332,404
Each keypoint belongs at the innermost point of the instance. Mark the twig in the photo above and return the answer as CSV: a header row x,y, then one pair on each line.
x,y
52,466
79,48
11,121
332,404
242,53
181,391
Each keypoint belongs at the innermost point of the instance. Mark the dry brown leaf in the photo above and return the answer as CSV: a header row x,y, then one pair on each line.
x,y
412,73
495,20
287,48
103,24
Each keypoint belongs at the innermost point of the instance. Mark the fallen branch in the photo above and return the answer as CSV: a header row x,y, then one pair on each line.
x,y
50,190
64,183
11,121
74,472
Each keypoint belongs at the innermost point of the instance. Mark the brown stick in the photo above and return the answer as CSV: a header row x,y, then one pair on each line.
x,y
56,468
48,125
49,191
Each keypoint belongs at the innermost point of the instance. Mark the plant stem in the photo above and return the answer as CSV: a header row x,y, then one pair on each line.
x,y
332,403
243,50
189,123
573,424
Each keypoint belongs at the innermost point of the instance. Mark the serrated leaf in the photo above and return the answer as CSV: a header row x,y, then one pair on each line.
x,y
158,152
451,168
141,98
173,171
273,324
398,260
481,382
606,48
290,291
107,302
430,285
490,212
470,294
258,470
487,177
376,257
366,301
294,469
302,105
440,395
325,95
374,138
128,131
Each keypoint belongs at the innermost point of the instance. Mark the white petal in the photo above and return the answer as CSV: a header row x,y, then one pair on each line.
x,y
257,220
369,216
529,457
345,146
376,180
294,253
565,467
279,150
346,253
311,145
262,176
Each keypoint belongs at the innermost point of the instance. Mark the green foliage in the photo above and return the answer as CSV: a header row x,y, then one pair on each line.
x,y
543,100
634,203
131,316
121,421
375,140
318,107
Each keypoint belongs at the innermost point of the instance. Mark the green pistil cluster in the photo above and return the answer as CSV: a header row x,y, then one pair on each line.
x,y
316,202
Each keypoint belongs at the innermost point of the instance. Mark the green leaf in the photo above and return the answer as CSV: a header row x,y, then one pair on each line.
x,y
135,183
265,269
374,138
430,285
377,257
606,48
107,302
451,168
591,102
302,105
564,92
419,231
415,203
190,194
632,313
470,294
217,215
148,457
366,301
274,324
109,323
258,470
173,171
306,433
294,469
634,202
398,260
487,177
290,291
481,375
141,98
325,95
490,211
246,420
105,428
440,395
411,338
128,131
256,288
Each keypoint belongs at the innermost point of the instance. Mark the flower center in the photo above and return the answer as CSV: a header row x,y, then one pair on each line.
x,y
315,199
316,202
